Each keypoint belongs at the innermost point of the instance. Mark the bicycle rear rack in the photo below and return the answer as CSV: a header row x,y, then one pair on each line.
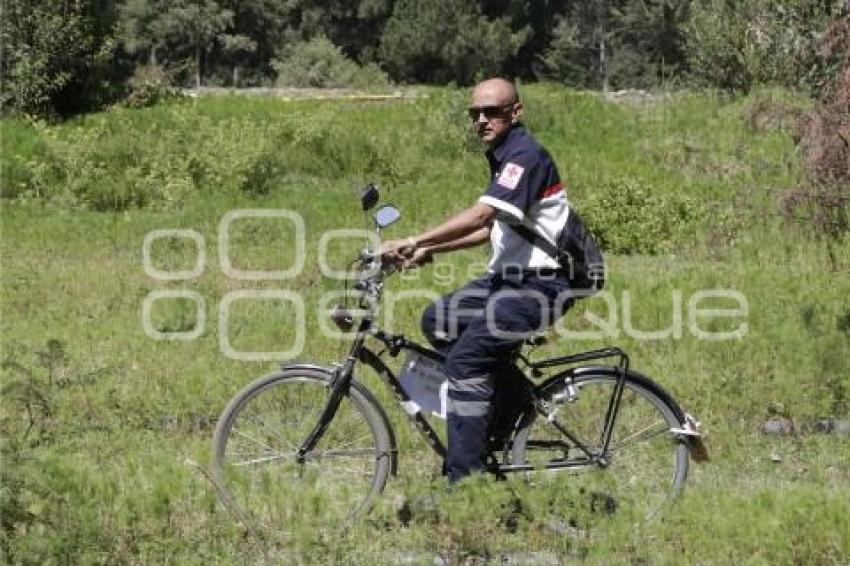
x,y
613,403
583,357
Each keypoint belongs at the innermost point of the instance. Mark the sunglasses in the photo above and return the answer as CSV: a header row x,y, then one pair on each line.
x,y
490,112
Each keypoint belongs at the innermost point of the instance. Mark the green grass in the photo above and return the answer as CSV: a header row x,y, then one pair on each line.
x,y
106,431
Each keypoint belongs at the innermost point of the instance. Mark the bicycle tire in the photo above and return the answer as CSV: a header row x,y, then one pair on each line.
x,y
254,448
648,463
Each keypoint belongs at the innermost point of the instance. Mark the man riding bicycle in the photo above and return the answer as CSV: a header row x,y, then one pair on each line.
x,y
479,326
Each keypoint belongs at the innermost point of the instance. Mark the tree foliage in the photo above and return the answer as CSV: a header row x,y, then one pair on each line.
x,y
736,45
188,29
61,57
621,43
58,57
319,63
446,40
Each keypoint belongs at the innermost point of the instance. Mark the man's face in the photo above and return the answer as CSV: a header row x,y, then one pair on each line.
x,y
492,112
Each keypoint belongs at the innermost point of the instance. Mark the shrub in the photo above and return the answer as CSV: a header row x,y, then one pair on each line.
x,y
628,218
320,63
821,203
148,85
26,163
736,45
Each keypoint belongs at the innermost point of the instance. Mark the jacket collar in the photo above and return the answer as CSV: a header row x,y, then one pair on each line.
x,y
498,153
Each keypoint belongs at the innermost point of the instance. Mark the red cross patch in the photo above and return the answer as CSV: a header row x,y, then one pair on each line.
x,y
510,175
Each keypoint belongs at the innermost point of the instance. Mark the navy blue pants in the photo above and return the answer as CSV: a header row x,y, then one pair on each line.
x,y
478,328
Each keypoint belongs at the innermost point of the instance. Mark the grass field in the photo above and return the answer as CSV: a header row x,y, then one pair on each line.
x,y
106,431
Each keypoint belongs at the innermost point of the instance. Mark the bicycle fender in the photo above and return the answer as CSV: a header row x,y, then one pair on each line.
x,y
692,434
308,366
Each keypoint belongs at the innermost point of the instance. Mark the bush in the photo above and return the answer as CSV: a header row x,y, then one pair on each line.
x,y
319,63
821,203
148,85
628,218
829,77
57,62
736,45
26,163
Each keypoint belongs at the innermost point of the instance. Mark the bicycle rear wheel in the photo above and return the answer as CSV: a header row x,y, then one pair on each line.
x,y
255,443
645,464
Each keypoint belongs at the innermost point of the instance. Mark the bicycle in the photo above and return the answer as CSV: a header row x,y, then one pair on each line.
x,y
313,441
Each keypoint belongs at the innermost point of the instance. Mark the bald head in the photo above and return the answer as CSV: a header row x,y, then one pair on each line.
x,y
500,91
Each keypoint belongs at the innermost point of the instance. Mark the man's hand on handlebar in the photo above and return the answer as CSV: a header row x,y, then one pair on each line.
x,y
420,257
398,251
405,254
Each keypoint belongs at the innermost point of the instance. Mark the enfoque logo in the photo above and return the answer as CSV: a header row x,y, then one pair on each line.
x,y
707,314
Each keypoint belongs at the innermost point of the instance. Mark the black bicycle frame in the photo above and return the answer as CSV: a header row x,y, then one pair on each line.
x,y
344,373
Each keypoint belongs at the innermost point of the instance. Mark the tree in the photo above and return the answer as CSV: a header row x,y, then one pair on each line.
x,y
439,41
566,57
270,24
234,46
58,60
649,45
182,28
581,45
137,29
624,43
195,25
354,25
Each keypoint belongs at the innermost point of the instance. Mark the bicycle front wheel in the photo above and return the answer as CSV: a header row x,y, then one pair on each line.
x,y
258,435
645,464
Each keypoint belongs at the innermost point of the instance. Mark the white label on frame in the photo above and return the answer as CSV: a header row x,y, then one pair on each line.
x,y
154,235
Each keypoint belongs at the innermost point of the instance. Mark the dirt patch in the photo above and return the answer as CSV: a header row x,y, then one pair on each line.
x,y
307,93
823,137
635,97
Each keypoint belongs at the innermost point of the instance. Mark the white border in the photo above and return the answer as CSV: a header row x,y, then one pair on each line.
x,y
152,271
224,244
299,324
200,314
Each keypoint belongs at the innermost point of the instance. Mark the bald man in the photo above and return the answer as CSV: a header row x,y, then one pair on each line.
x,y
480,326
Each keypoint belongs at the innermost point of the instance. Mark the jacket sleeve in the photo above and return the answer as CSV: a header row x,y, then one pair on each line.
x,y
515,186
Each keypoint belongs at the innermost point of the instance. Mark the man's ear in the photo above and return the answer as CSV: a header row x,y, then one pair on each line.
x,y
517,113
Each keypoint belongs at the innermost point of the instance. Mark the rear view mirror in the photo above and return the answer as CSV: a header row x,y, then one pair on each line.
x,y
386,215
369,197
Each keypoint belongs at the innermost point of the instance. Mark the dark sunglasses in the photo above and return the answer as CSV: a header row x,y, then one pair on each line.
x,y
490,112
